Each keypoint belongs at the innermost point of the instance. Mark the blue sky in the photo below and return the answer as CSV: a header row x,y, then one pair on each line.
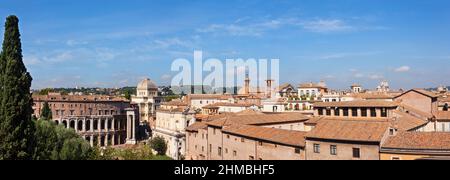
x,y
112,43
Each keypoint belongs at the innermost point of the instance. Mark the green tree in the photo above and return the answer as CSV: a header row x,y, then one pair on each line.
x,y
159,145
46,112
16,125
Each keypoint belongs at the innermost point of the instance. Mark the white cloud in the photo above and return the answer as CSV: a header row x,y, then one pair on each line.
x,y
375,77
403,69
323,26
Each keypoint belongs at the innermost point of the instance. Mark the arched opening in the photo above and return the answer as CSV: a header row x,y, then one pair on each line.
x,y
109,124
57,122
72,124
110,140
80,126
116,142
102,141
446,107
95,141
297,107
102,124
65,123
88,125
95,124
88,139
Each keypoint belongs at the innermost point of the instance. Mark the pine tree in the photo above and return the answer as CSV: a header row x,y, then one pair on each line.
x,y
46,112
16,125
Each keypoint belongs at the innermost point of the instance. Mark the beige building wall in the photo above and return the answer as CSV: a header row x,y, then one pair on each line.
x,y
197,145
215,140
418,101
344,151
269,151
239,148
410,157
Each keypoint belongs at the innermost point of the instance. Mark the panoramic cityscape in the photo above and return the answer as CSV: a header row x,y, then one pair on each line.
x,y
237,80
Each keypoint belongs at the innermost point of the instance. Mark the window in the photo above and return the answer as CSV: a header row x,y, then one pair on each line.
x,y
364,112
234,153
356,153
355,112
383,112
337,112
226,150
228,136
320,111
260,143
333,150
219,152
242,140
316,148
373,112
297,150
251,158
395,158
391,132
328,112
210,147
345,111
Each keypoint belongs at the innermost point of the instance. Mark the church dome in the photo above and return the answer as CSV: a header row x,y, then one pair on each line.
x,y
147,84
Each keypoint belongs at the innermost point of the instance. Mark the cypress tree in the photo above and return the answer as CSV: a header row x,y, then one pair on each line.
x,y
46,112
16,125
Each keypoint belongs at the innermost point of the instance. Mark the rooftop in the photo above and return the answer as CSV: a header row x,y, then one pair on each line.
x,y
278,136
78,98
419,141
349,130
257,118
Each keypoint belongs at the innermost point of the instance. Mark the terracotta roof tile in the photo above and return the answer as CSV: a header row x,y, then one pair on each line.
x,y
255,118
196,126
419,141
278,136
348,130
443,115
78,98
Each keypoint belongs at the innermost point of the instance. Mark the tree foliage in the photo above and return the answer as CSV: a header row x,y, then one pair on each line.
x,y
16,125
159,145
46,112
59,143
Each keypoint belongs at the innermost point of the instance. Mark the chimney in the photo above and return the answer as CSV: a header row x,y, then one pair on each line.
x,y
269,88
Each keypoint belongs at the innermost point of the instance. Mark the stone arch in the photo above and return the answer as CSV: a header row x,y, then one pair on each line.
x,y
72,124
64,123
109,123
80,125
95,124
88,125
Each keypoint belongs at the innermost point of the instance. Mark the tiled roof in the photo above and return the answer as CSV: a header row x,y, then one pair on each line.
x,y
311,85
406,122
419,141
348,130
255,118
229,105
174,103
278,136
78,98
443,115
367,103
369,96
196,126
